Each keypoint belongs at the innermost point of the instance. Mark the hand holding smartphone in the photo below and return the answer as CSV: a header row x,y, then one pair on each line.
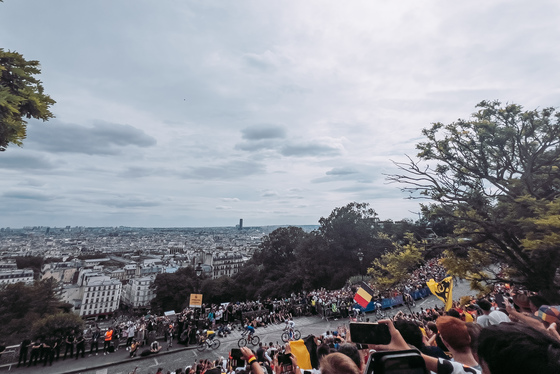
x,y
369,333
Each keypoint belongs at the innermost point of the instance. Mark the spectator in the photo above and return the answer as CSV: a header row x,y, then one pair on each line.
x,y
96,334
490,317
455,336
23,348
514,348
80,345
412,334
70,339
108,339
338,363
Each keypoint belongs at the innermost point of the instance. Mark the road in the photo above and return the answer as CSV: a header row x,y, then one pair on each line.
x,y
179,356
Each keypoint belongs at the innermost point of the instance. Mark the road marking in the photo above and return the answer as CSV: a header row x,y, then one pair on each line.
x,y
157,363
194,353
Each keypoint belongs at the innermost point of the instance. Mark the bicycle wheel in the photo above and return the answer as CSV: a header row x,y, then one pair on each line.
x,y
297,335
201,346
256,340
215,344
285,337
242,343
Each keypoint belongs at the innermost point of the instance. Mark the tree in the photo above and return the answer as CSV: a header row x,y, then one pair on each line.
x,y
173,290
275,269
21,96
496,176
347,231
57,325
20,304
395,265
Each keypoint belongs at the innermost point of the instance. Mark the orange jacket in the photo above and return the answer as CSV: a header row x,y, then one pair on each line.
x,y
109,335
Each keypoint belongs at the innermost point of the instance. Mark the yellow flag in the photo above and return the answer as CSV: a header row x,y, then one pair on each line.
x,y
443,290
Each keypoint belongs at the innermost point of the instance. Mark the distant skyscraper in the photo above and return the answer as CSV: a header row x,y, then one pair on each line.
x,y
240,223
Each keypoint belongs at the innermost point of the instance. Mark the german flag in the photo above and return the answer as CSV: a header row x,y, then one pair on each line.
x,y
363,295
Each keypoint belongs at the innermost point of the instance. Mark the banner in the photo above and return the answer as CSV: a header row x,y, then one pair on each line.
x,y
443,290
195,301
364,295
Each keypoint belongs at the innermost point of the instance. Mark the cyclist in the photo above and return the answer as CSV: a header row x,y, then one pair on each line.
x,y
290,324
209,334
357,314
378,308
251,331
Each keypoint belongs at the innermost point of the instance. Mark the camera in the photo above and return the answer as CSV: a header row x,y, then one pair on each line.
x,y
396,362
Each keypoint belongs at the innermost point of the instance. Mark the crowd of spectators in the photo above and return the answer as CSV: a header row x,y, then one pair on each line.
x,y
507,331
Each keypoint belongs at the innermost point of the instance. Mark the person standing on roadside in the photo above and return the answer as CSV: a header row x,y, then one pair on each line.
x,y
95,335
80,345
23,347
108,339
70,339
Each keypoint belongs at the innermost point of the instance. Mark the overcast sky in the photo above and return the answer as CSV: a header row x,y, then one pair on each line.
x,y
199,113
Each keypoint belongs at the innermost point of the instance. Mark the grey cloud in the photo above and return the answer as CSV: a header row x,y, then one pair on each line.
x,y
310,149
138,172
264,132
341,171
28,195
358,174
223,207
19,161
256,145
102,138
128,202
32,183
269,193
230,170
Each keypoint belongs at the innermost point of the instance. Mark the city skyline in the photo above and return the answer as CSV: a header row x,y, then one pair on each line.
x,y
197,114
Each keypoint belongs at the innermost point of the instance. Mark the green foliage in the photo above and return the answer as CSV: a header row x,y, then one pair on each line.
x,y
20,304
496,177
21,96
395,265
57,325
173,290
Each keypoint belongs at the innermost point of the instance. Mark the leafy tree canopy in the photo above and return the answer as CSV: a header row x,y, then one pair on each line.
x,y
20,304
496,176
57,325
21,97
173,290
395,265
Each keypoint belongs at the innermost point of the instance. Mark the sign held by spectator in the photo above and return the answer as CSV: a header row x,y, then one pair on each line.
x,y
195,301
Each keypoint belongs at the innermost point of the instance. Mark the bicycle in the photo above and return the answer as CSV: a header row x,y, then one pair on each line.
x,y
208,343
359,316
248,337
379,313
291,334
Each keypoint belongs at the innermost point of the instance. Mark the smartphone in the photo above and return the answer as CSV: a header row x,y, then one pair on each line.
x,y
369,333
396,362
285,363
284,359
235,353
